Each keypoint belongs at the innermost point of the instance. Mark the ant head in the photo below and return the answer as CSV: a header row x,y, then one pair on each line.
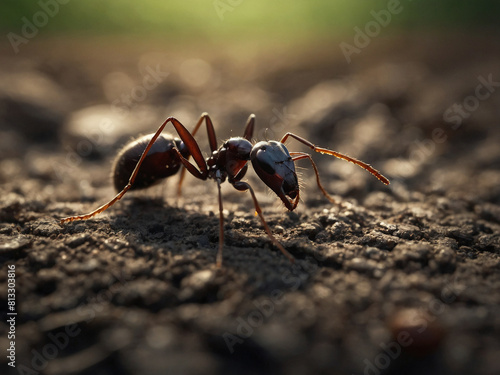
x,y
274,165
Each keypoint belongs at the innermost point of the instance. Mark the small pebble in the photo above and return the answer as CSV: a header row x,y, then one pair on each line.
x,y
77,240
418,332
15,246
278,229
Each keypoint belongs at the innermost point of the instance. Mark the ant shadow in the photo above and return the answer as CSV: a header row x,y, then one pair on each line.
x,y
152,220
194,237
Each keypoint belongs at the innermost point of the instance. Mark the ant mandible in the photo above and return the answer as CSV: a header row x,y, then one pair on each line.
x,y
147,160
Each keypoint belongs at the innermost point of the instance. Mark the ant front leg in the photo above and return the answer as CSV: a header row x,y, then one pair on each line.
x,y
192,147
301,155
321,150
243,186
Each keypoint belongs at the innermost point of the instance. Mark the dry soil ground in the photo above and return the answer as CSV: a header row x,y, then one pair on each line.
x,y
402,279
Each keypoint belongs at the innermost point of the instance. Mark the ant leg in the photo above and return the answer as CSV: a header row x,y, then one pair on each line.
x,y
212,140
243,186
221,228
239,175
193,149
248,133
100,209
302,155
321,150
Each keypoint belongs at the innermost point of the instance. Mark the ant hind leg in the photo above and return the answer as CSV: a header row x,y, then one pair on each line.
x,y
192,147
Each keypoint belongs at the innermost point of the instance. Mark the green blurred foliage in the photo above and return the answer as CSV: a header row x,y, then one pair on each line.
x,y
229,19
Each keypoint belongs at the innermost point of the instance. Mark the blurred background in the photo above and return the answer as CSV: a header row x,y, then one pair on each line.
x,y
320,66
246,20
411,87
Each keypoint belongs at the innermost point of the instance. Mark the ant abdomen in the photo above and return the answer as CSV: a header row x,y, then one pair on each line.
x,y
161,161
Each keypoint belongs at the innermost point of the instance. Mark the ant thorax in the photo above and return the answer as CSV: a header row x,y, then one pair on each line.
x,y
229,159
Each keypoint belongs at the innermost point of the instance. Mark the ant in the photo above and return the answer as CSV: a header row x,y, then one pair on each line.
x,y
153,157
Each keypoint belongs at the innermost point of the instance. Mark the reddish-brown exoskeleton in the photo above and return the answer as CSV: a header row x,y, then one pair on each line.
x,y
147,160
